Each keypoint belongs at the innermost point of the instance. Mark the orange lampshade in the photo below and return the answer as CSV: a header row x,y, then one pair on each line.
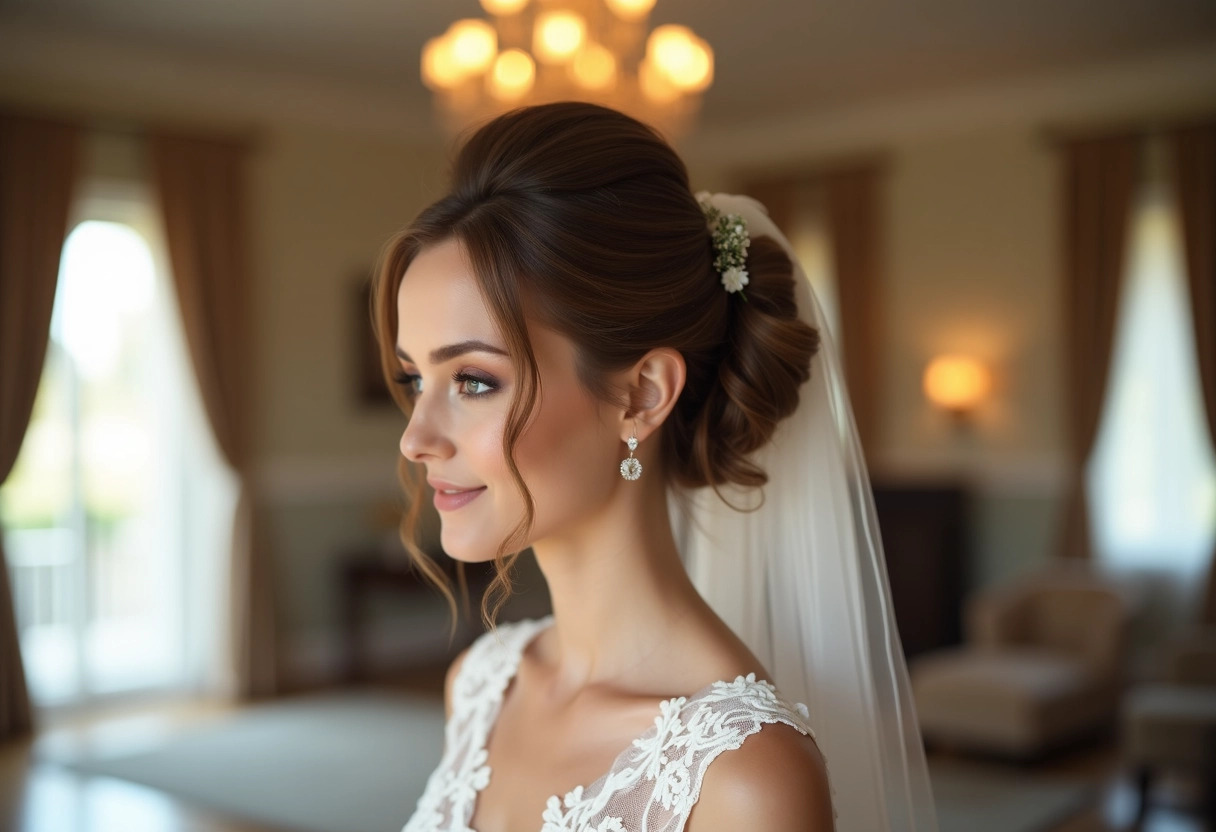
x,y
956,382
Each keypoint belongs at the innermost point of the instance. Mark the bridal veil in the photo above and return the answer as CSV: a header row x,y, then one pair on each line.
x,y
802,580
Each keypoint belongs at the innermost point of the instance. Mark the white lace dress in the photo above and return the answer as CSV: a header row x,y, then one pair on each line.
x,y
652,784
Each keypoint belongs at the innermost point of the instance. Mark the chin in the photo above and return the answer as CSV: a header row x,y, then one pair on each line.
x,y
474,546
468,551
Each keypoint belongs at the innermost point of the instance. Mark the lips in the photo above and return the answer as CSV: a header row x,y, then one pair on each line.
x,y
443,485
452,501
450,496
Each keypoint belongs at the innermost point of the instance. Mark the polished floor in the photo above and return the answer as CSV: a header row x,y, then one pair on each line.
x,y
42,797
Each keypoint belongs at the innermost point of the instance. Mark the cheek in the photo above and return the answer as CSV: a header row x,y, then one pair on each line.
x,y
483,445
472,534
567,460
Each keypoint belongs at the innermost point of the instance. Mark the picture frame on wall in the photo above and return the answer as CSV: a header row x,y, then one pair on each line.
x,y
370,388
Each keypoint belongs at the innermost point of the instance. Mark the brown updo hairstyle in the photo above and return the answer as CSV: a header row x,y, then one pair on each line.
x,y
582,219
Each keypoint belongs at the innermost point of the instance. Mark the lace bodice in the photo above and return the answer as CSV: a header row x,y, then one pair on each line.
x,y
652,784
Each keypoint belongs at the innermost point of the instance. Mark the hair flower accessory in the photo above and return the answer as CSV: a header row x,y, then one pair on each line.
x,y
731,240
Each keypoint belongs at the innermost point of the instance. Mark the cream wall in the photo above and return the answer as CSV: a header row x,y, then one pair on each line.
x,y
325,205
973,239
973,267
972,252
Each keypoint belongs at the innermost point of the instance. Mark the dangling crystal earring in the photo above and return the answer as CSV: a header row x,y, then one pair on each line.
x,y
631,468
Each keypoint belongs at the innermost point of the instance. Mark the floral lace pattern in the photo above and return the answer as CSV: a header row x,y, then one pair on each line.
x,y
652,785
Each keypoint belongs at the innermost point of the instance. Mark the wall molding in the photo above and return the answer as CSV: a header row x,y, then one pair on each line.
x,y
51,67
326,479
287,481
1164,85
989,475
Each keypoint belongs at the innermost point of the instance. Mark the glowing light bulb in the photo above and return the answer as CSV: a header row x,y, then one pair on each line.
x,y
594,67
474,44
631,10
655,85
671,48
512,75
698,73
502,8
955,382
439,68
558,35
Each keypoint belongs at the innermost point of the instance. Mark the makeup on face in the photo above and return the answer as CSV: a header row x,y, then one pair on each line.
x,y
451,502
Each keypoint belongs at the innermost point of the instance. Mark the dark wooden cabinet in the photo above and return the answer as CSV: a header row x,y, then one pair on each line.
x,y
365,571
924,534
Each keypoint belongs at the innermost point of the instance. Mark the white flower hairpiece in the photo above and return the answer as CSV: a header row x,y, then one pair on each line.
x,y
731,240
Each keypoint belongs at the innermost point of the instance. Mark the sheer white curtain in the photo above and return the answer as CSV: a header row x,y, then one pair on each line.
x,y
1152,477
119,509
204,488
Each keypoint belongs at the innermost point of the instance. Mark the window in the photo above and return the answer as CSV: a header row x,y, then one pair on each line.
x,y
1152,477
812,244
114,514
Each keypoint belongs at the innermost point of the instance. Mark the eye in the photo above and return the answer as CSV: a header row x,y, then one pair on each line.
x,y
464,378
408,380
472,386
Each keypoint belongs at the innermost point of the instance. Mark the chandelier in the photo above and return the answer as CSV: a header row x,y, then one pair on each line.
x,y
534,51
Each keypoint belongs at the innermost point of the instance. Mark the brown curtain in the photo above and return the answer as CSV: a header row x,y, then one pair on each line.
x,y
201,184
780,198
38,162
851,199
1100,181
1194,151
852,208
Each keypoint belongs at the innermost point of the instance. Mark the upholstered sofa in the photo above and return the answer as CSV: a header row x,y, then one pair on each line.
x,y
1041,667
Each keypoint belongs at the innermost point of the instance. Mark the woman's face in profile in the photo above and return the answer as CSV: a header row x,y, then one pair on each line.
x,y
461,381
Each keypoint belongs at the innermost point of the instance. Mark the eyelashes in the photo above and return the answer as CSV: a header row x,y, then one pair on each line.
x,y
408,380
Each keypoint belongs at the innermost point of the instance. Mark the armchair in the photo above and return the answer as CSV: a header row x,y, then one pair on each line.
x,y
1041,667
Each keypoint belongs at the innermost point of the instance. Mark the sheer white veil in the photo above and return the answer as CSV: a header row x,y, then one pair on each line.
x,y
803,581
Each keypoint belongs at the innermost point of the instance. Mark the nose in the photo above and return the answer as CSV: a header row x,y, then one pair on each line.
x,y
422,439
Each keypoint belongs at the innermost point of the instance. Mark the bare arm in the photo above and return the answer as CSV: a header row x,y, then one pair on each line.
x,y
776,782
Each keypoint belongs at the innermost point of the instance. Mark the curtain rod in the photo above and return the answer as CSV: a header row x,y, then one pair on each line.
x,y
809,170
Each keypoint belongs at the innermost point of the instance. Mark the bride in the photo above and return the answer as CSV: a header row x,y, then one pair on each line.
x,y
604,367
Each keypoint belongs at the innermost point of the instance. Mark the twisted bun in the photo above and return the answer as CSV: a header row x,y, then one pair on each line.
x,y
762,362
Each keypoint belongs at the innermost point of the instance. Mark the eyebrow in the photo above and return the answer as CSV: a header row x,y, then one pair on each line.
x,y
451,351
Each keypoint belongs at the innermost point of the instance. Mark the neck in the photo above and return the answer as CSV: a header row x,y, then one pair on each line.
x,y
617,587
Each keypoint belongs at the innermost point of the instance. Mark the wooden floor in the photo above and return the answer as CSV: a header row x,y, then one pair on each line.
x,y
42,797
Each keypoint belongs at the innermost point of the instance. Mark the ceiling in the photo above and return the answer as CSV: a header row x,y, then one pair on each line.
x,y
772,56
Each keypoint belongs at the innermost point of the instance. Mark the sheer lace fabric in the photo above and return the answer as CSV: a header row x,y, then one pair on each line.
x,y
652,785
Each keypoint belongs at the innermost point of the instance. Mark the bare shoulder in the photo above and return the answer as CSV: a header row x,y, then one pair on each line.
x,y
777,780
449,680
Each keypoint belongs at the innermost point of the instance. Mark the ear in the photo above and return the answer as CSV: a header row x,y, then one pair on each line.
x,y
652,385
